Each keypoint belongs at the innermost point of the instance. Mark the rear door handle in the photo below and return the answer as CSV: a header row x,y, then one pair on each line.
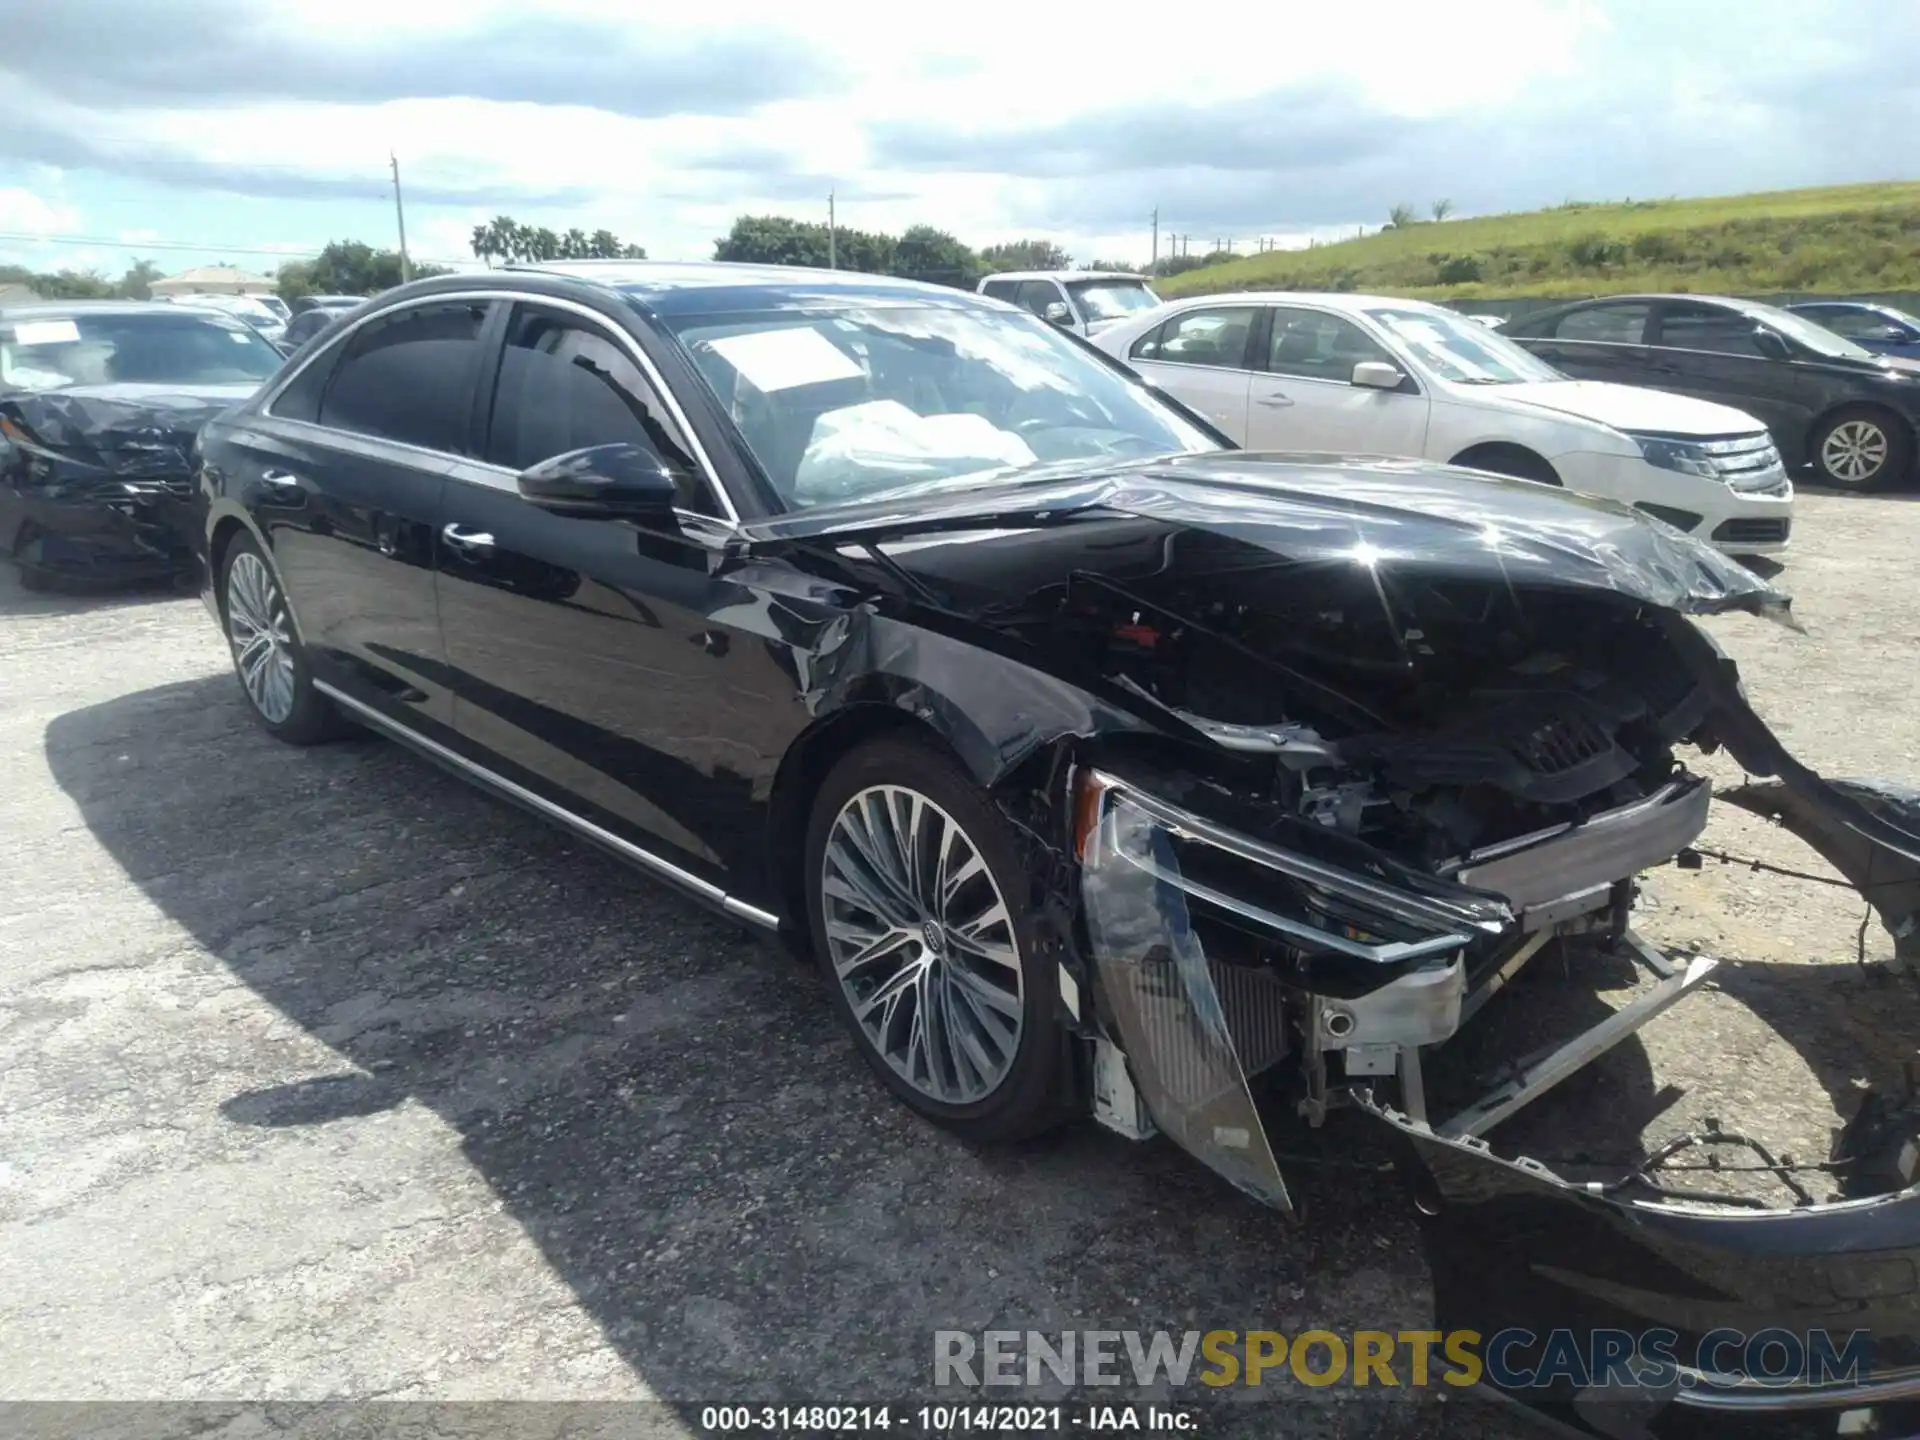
x,y
1276,400
473,541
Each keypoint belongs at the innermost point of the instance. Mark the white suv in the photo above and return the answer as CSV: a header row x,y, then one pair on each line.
x,y
1370,375
1083,301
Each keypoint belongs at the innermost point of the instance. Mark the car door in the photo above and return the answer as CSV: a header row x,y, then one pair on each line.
x,y
589,657
1599,342
1303,396
1202,357
349,465
1712,352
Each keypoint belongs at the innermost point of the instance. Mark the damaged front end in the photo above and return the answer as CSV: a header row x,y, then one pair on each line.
x,y
1300,922
1394,734
96,484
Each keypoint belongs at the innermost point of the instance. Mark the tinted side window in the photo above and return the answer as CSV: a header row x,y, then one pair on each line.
x,y
1006,290
565,385
1854,324
301,399
409,376
1036,295
1318,346
1609,324
1147,347
1216,337
1701,327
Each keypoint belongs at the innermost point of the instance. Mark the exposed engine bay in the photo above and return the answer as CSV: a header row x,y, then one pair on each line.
x,y
1512,761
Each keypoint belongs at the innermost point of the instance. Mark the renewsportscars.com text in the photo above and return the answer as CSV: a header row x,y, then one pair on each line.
x,y
1512,1359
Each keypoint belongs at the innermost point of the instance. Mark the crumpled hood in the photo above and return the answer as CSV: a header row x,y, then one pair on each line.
x,y
126,431
1625,407
1390,516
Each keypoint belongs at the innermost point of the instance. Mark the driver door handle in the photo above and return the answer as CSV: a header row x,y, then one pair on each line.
x,y
472,541
1276,400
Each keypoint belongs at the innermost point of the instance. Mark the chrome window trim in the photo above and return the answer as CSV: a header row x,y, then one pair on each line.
x,y
666,869
374,447
1197,307
442,297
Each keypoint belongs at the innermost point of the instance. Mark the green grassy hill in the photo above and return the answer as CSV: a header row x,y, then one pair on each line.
x,y
1857,239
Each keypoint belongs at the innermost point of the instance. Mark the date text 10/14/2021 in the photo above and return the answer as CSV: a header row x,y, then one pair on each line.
x,y
946,1419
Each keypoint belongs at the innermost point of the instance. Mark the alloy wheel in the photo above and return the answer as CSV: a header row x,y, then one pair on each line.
x,y
262,643
1854,450
923,944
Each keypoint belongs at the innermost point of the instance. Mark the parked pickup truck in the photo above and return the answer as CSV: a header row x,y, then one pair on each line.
x,y
1083,301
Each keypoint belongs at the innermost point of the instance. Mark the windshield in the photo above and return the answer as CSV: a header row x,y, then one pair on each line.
x,y
1804,331
1456,348
171,347
1111,299
839,405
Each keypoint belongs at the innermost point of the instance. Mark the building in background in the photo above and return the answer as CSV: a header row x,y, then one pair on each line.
x,y
214,280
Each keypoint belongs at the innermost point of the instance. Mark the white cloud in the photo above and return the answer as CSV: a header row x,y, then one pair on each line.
x,y
1023,121
28,212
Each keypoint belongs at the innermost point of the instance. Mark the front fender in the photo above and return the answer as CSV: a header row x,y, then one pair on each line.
x,y
992,711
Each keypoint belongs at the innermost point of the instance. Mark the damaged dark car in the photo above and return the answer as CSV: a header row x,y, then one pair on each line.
x,y
100,405
1103,770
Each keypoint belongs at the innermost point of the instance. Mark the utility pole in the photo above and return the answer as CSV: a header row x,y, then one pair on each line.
x,y
833,247
1156,241
400,215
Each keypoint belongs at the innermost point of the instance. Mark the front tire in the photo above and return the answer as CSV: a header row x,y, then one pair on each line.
x,y
916,900
268,658
1861,449
1513,461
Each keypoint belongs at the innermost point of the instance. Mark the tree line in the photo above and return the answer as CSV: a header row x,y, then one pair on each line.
x,y
921,252
352,267
135,284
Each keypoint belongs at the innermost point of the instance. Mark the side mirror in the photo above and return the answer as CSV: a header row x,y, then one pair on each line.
x,y
1895,335
606,482
1057,313
1377,375
1771,344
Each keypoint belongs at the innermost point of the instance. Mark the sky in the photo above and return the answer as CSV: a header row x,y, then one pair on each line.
x,y
201,131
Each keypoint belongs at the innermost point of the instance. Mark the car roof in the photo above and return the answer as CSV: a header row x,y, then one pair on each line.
x,y
1066,275
62,309
1645,297
1326,299
687,287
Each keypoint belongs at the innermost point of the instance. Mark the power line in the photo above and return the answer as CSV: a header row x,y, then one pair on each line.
x,y
114,242
119,244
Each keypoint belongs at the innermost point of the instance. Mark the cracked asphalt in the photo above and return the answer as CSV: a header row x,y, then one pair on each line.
x,y
327,1077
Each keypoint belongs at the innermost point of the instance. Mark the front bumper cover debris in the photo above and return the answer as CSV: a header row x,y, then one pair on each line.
x,y
1674,1291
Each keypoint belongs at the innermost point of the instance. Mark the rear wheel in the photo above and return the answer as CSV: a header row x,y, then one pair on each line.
x,y
267,655
919,919
1861,450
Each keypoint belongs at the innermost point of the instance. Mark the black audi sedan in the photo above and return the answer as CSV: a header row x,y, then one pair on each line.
x,y
1829,403
100,404
1101,769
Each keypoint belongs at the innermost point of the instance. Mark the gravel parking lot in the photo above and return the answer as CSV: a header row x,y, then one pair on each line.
x,y
328,1077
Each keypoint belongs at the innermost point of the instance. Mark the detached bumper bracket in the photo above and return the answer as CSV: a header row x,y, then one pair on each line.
x,y
1543,1074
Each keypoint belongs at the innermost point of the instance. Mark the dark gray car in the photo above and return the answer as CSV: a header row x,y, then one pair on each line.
x,y
1830,403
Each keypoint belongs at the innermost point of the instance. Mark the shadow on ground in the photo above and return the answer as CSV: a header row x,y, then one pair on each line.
x,y
668,1106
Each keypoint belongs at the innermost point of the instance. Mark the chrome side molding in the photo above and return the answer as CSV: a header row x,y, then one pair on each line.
x,y
626,849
